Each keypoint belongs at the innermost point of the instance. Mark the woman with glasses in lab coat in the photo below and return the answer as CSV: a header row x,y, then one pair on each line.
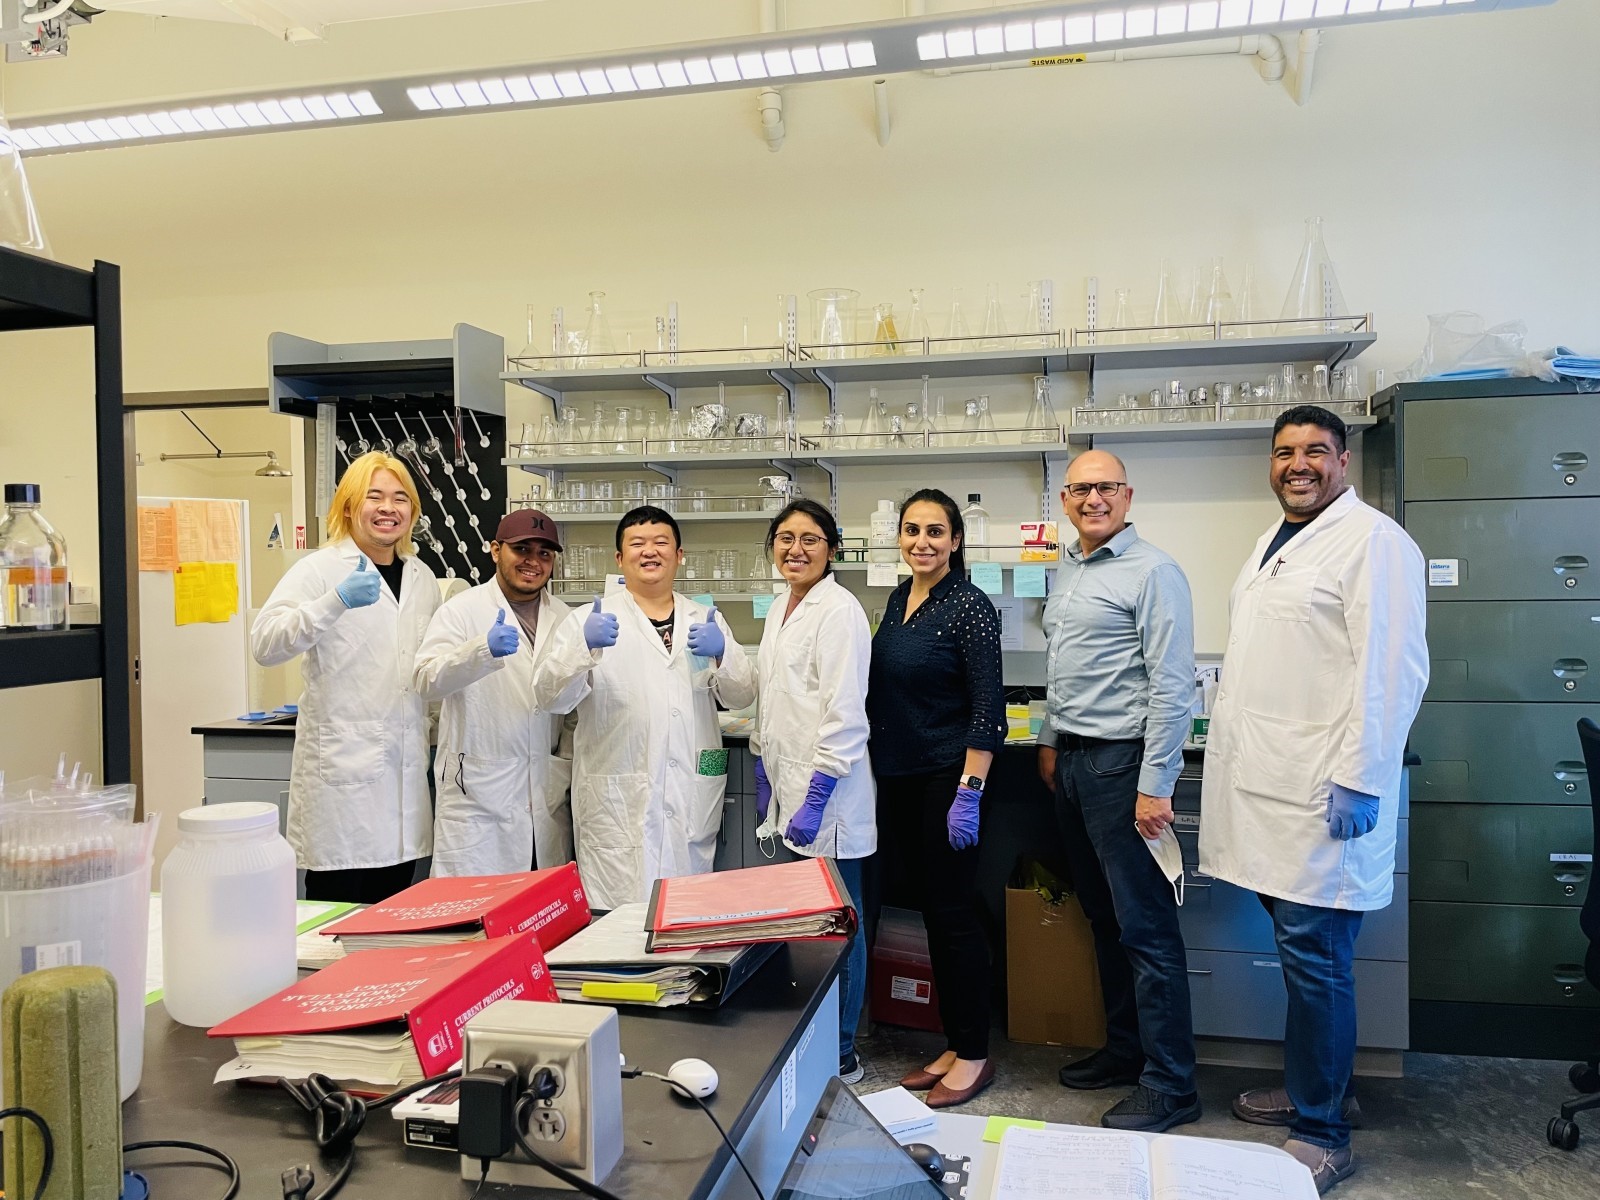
x,y
814,787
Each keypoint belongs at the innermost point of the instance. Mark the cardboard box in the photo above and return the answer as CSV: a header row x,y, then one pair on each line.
x,y
1052,980
900,987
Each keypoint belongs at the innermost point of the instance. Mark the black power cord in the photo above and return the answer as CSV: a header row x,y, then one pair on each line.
x,y
49,1163
339,1117
635,1072
228,1165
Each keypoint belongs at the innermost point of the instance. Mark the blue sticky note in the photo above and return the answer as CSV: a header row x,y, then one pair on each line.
x,y
761,605
986,576
1029,580
705,599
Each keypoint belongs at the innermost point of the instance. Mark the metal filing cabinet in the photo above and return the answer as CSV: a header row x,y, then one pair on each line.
x,y
1235,978
1499,483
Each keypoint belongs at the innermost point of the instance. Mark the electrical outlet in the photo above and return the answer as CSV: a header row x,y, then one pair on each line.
x,y
579,1126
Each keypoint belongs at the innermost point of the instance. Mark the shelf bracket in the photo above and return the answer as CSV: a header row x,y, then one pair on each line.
x,y
666,389
668,473
831,470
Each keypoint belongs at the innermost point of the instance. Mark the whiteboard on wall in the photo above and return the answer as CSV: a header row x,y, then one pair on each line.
x,y
190,675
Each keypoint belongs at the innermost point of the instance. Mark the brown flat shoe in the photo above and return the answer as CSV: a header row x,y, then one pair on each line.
x,y
944,1097
920,1081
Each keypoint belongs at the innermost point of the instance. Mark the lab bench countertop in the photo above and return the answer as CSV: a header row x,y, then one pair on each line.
x,y
278,727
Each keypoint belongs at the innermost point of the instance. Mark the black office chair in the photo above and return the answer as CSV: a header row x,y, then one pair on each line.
x,y
1585,1076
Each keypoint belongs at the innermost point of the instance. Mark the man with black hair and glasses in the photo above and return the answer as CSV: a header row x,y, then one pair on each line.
x,y
1324,672
1119,689
645,669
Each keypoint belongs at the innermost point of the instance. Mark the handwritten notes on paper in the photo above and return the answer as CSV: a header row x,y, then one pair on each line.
x,y
158,538
1062,1164
205,593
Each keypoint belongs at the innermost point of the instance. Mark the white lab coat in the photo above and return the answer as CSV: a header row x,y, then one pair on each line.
x,y
358,788
501,787
640,809
1324,671
813,716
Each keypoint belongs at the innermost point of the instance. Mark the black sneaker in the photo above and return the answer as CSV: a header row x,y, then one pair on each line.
x,y
851,1069
1102,1069
1152,1112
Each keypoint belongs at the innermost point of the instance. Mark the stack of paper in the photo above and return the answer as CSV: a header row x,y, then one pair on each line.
x,y
780,903
607,963
902,1114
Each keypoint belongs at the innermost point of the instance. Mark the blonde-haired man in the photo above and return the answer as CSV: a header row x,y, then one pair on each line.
x,y
359,815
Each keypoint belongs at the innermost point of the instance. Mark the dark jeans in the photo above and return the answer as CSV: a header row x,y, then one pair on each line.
x,y
853,971
943,883
360,885
1317,949
1144,974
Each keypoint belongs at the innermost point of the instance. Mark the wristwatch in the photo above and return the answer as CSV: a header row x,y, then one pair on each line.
x,y
973,782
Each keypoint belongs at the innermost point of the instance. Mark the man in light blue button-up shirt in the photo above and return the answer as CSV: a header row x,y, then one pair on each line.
x,y
1119,688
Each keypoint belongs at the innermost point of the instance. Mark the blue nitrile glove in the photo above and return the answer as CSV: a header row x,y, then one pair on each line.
x,y
600,628
502,637
706,639
962,822
1350,814
360,587
804,824
763,791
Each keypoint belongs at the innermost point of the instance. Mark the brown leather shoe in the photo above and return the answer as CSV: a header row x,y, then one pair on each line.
x,y
944,1097
920,1081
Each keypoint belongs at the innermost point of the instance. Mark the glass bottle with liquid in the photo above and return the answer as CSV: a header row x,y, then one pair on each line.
x,y
33,564
975,521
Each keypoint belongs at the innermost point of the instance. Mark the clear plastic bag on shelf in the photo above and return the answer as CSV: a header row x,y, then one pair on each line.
x,y
1462,345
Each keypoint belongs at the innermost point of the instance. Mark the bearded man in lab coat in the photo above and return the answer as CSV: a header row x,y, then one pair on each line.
x,y
501,785
645,668
1323,674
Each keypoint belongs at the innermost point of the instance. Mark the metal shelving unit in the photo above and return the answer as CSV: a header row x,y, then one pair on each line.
x,y
36,293
1187,431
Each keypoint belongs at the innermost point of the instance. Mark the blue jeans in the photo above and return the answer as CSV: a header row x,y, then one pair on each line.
x,y
853,971
1144,973
1317,949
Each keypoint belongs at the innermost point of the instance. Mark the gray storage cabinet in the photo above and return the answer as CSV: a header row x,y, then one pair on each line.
x,y
1499,483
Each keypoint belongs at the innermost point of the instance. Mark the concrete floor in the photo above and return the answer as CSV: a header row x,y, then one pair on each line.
x,y
1452,1127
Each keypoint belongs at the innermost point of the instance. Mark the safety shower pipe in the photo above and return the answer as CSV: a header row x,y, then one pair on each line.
x,y
1305,61
769,100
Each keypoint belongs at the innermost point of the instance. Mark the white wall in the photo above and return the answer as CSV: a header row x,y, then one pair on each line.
x,y
1449,157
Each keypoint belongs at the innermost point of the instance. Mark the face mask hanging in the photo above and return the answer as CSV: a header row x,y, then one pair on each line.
x,y
1169,857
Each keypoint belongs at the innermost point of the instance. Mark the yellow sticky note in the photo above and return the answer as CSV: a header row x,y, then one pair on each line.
x,y
996,1126
222,590
205,593
646,993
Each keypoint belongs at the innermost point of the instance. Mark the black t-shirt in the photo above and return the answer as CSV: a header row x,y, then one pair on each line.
x,y
393,573
664,628
1281,539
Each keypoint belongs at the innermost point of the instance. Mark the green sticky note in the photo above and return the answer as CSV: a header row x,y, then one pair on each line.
x,y
986,576
761,605
995,1127
1029,580
713,762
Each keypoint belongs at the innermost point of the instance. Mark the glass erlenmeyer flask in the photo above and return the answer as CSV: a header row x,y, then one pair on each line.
x,y
19,223
917,323
1289,393
595,435
674,434
1314,290
1321,396
874,424
1164,316
1350,393
1121,318
531,349
994,321
652,430
938,426
546,438
984,434
1194,308
885,335
957,331
598,344
1041,425
623,433
1219,298
1244,307
1035,319
571,436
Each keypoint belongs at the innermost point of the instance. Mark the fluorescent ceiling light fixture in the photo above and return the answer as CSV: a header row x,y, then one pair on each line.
x,y
873,48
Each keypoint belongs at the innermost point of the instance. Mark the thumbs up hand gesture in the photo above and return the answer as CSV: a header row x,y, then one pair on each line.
x,y
502,637
360,587
599,628
705,639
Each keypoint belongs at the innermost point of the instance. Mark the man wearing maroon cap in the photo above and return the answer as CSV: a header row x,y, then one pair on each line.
x,y
502,782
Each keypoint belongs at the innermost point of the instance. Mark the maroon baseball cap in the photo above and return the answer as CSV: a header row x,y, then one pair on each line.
x,y
527,523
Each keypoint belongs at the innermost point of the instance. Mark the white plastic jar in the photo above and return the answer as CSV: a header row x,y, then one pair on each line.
x,y
227,913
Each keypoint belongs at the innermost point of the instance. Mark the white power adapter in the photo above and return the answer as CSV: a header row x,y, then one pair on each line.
x,y
579,1126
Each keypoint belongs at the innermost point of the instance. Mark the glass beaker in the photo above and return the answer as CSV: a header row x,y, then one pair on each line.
x,y
602,496
885,335
874,423
598,344
623,433
699,500
634,492
1041,425
695,565
725,565
1314,289
1165,315
833,320
917,323
994,321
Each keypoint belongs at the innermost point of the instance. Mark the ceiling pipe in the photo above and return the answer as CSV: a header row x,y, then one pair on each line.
x,y
880,109
1305,61
769,100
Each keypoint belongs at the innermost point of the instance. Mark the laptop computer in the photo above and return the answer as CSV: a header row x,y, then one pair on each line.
x,y
846,1155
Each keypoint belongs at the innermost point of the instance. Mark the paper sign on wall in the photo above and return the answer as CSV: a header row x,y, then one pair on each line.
x,y
158,538
987,577
205,593
1444,572
881,575
1028,580
760,605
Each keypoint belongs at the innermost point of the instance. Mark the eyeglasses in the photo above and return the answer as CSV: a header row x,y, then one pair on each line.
x,y
808,540
1106,487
